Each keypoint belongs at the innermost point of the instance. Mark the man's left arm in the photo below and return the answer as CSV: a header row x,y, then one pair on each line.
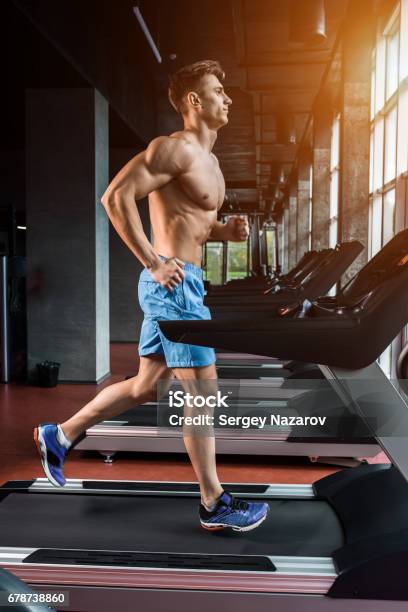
x,y
235,230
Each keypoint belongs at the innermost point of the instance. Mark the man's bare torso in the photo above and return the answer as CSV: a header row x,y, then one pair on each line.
x,y
183,212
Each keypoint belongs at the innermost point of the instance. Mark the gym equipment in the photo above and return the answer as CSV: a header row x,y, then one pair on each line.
x,y
13,349
315,278
138,430
10,585
344,538
5,361
128,542
365,306
261,283
145,429
402,369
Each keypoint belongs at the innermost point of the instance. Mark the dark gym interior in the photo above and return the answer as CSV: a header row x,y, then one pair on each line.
x,y
315,154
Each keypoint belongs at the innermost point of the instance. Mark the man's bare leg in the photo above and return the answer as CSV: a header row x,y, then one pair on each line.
x,y
201,448
142,388
119,397
52,444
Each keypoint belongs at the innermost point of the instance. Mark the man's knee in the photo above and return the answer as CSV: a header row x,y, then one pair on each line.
x,y
143,390
152,377
198,373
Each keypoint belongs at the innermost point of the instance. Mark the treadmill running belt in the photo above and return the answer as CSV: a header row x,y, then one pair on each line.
x,y
152,524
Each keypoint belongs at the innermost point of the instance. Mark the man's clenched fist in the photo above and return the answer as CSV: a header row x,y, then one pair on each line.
x,y
238,228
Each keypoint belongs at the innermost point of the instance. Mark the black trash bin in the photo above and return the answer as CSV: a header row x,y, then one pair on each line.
x,y
48,373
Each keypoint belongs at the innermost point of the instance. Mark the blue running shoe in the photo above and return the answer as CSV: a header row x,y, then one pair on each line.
x,y
237,514
52,452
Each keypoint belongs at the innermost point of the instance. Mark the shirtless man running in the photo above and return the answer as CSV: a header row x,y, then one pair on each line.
x,y
185,186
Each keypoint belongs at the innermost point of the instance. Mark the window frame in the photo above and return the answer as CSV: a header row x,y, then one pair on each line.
x,y
379,187
335,170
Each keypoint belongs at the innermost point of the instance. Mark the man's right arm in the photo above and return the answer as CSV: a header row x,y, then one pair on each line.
x,y
163,160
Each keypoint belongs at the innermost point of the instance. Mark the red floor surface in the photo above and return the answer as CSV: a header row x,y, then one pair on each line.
x,y
23,407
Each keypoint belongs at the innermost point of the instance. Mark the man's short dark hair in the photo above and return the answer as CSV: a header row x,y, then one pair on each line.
x,y
187,78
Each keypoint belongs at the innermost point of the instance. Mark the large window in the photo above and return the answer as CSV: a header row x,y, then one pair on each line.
x,y
237,260
389,134
334,182
402,141
283,237
213,262
310,221
225,261
271,232
383,140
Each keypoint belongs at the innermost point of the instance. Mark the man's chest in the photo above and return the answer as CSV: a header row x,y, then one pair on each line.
x,y
204,183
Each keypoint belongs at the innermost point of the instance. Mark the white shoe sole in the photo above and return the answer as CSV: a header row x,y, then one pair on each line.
x,y
216,526
42,449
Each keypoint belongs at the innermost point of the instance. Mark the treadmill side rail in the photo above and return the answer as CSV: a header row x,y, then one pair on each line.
x,y
159,488
371,502
309,575
387,417
374,568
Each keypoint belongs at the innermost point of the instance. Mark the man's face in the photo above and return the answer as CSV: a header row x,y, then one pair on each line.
x,y
213,101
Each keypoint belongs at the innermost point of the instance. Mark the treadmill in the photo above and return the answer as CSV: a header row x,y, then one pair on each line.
x,y
315,278
147,428
261,283
15,594
141,430
340,543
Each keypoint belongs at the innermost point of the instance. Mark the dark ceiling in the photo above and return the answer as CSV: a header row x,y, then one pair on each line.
x,y
273,83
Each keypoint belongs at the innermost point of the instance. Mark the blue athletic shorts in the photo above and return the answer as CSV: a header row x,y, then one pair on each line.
x,y
184,303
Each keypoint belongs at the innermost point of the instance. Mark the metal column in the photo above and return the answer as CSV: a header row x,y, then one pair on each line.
x,y
4,322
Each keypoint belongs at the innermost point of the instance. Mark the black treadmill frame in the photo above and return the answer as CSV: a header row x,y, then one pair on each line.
x,y
313,575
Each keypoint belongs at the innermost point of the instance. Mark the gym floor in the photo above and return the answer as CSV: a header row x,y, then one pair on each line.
x,y
23,407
